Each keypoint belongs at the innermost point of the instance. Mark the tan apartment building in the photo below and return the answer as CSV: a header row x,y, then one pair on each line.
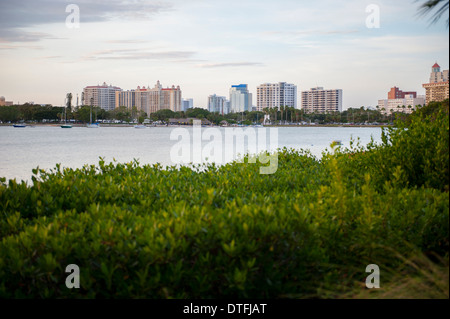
x,y
438,87
151,100
103,96
318,100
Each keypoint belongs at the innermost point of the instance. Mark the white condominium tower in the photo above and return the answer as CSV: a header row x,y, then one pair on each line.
x,y
318,100
103,96
271,95
217,104
240,98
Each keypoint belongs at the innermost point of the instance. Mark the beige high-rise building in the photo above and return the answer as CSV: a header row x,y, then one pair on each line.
x,y
126,98
171,99
151,100
103,96
438,87
318,100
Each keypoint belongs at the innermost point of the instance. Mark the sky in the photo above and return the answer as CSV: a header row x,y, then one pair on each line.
x,y
205,46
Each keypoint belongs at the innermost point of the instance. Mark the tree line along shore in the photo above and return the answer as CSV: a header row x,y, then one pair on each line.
x,y
30,113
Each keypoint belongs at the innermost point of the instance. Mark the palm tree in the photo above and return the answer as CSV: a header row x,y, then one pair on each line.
x,y
430,5
275,110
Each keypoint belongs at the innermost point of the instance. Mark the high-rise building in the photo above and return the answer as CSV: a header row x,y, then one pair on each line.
x,y
318,100
126,98
103,96
147,99
217,104
171,99
151,100
438,87
227,107
187,104
275,95
240,98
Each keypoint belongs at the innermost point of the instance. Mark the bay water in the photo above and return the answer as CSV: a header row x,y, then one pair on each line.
x,y
23,149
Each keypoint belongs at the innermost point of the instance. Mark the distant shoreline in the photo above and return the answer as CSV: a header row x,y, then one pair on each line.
x,y
150,126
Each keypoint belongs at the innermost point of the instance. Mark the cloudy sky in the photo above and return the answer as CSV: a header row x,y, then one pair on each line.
x,y
205,46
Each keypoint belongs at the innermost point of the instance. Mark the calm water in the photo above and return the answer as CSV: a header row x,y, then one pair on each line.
x,y
22,149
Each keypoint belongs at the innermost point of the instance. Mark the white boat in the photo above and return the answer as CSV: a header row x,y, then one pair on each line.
x,y
140,126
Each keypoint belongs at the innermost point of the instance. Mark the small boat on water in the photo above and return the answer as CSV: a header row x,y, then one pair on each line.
x,y
66,126
140,126
19,125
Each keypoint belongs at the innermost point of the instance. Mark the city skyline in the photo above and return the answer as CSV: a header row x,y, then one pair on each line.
x,y
208,46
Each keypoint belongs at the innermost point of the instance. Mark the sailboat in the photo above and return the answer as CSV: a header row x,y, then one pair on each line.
x,y
92,125
65,125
